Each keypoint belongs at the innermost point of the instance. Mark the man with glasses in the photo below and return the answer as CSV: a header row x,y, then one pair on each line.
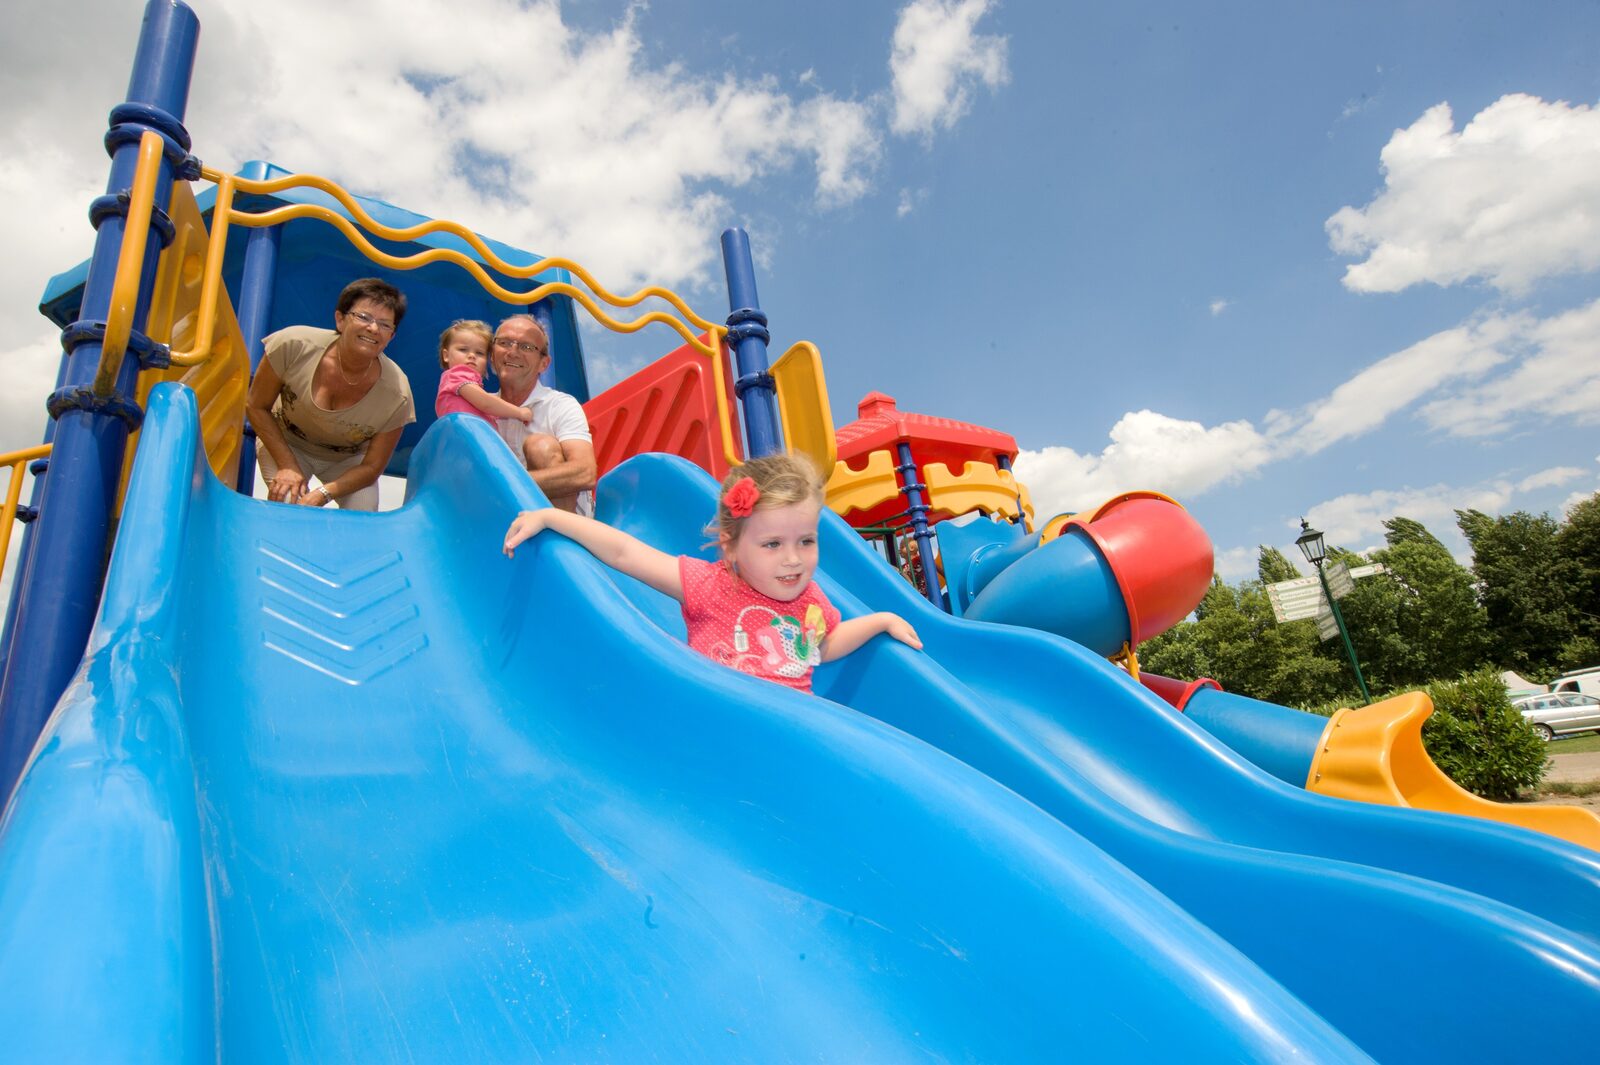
x,y
556,446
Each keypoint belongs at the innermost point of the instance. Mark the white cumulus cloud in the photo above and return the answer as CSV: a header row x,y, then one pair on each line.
x,y
1355,520
1147,451
938,58
1555,374
1510,198
1375,393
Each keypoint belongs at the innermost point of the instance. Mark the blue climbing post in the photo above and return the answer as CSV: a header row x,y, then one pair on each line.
x,y
61,590
1004,463
257,282
747,332
918,510
26,513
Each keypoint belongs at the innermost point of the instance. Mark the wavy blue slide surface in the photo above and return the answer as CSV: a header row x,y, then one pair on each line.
x,y
1376,917
355,787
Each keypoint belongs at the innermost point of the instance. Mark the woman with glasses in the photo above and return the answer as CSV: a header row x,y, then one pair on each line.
x,y
329,404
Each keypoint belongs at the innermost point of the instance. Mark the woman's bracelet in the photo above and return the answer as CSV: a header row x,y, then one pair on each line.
x,y
327,496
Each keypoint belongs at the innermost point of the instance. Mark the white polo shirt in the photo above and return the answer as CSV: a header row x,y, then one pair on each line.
x,y
555,414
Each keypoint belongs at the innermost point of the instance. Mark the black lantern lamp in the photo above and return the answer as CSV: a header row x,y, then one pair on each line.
x,y
1311,545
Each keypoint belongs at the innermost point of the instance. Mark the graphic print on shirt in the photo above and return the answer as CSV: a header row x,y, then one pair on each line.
x,y
787,646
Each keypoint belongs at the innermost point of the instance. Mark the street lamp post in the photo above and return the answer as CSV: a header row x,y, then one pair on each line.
x,y
1316,552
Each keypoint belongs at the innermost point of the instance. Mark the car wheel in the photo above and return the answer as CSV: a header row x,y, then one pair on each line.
x,y
1543,731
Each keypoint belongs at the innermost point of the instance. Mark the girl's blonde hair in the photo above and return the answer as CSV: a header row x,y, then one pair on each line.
x,y
470,325
782,480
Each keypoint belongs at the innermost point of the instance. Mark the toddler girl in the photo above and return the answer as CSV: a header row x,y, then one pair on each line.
x,y
757,610
464,354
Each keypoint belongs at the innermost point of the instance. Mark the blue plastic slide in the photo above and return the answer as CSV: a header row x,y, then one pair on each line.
x,y
355,787
1379,918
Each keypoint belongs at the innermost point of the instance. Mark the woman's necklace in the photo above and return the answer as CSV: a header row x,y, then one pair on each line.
x,y
339,362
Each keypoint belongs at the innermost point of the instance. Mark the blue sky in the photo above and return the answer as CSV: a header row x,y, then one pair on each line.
x,y
1102,228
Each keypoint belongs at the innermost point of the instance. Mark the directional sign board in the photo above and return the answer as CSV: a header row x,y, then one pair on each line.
x,y
1327,627
1340,582
1302,597
1296,599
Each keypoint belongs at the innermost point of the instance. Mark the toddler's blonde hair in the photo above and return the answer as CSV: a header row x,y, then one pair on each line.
x,y
469,325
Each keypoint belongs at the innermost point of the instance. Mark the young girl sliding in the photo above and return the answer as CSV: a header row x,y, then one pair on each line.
x,y
757,610
464,355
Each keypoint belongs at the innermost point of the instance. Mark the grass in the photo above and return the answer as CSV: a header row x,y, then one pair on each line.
x,y
1576,789
1589,741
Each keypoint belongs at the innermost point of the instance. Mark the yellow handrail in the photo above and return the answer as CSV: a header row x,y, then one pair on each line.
x,y
15,461
724,418
130,263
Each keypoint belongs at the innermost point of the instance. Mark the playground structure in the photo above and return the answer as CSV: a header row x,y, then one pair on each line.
x,y
994,850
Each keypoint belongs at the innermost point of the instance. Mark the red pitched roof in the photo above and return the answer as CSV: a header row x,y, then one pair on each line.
x,y
880,425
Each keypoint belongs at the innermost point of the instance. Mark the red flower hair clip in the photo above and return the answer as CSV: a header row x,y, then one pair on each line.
x,y
741,497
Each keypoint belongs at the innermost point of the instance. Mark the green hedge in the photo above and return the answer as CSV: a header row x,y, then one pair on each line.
x,y
1479,739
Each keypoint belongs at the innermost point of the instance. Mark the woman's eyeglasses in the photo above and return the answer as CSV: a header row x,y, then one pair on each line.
x,y
372,323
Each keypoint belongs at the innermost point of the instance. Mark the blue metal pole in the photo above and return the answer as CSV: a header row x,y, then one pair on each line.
x,y
27,514
747,332
919,524
58,601
256,286
1004,463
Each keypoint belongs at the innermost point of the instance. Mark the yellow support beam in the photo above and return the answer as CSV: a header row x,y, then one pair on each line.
x,y
861,490
979,486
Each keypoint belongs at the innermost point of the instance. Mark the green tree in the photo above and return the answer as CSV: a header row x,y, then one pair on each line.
x,y
1578,547
1479,740
1420,619
1523,584
1236,641
1273,566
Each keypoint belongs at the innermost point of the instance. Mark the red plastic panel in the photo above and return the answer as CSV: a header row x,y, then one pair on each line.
x,y
1176,692
1160,556
669,406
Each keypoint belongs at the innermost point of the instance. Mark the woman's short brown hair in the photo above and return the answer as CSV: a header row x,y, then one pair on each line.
x,y
375,289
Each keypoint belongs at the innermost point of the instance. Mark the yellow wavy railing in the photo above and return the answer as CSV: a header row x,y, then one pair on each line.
x,y
225,214
17,463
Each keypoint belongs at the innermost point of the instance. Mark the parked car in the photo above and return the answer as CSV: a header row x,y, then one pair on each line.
x,y
1560,713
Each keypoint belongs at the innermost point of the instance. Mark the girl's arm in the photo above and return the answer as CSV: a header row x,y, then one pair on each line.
x,y
493,405
847,636
612,546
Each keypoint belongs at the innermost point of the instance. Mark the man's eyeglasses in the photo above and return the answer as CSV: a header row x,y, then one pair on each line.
x,y
372,323
521,345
